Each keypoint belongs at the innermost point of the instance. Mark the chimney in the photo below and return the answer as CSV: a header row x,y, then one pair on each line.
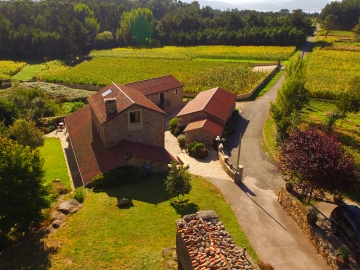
x,y
110,106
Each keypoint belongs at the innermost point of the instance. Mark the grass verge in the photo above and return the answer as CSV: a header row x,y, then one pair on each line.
x,y
29,72
54,161
103,236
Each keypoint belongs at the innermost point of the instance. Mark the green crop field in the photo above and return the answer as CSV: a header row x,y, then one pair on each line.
x,y
331,66
10,68
196,75
272,53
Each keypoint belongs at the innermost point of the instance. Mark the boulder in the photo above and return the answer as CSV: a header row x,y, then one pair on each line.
x,y
58,216
69,207
56,224
123,202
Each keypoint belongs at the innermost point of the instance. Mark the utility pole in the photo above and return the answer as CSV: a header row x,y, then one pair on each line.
x,y
239,149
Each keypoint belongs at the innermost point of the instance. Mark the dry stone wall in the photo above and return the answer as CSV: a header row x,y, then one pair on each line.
x,y
299,213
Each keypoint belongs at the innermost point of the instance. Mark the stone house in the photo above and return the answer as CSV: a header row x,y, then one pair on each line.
x,y
120,126
166,92
206,115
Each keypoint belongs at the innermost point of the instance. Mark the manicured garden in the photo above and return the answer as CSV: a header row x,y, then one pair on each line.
x,y
54,162
102,235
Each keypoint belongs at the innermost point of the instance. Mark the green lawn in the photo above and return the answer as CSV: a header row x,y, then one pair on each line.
x,y
54,161
102,236
29,72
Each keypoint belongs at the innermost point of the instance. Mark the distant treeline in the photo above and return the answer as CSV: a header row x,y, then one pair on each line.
x,y
341,15
63,29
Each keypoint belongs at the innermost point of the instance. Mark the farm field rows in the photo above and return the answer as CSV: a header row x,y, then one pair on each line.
x,y
331,67
196,75
10,68
270,53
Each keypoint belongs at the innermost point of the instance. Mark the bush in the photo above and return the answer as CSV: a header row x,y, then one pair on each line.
x,y
197,150
80,194
116,177
104,40
173,124
181,140
265,266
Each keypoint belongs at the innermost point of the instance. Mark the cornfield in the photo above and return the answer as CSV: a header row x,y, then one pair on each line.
x,y
10,68
196,75
270,53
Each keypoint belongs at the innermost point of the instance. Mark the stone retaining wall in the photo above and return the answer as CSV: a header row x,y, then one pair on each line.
x,y
228,167
299,213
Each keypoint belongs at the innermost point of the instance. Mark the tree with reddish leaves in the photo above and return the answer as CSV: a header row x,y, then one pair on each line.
x,y
316,159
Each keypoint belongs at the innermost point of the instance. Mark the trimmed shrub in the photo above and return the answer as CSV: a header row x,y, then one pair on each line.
x,y
116,177
173,124
197,150
181,140
80,194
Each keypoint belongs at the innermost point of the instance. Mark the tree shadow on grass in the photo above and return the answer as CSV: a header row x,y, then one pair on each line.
x,y
185,208
29,252
149,189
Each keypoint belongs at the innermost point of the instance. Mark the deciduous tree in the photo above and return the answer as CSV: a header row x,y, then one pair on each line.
x,y
26,133
22,193
315,158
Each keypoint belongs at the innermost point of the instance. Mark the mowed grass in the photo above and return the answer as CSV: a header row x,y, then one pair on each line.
x,y
29,72
54,161
103,236
271,53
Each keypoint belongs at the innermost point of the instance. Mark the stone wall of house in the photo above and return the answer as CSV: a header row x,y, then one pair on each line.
x,y
199,135
150,130
155,165
184,120
173,98
299,213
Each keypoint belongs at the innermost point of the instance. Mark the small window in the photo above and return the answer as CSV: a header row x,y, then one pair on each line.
x,y
135,117
175,92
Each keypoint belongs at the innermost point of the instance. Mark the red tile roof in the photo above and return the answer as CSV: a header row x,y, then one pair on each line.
x,y
208,244
216,102
156,85
91,155
125,97
208,124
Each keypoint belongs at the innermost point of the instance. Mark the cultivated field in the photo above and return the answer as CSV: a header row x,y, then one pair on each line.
x,y
333,63
196,75
10,68
271,53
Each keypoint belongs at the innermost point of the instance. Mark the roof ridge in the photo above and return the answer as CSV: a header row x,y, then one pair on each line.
x,y
150,79
118,87
211,97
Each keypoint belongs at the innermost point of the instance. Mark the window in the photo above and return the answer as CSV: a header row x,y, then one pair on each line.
x,y
134,117
175,92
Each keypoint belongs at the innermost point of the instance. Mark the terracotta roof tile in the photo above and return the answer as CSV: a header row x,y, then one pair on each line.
x,y
208,243
208,124
156,85
125,97
216,102
91,155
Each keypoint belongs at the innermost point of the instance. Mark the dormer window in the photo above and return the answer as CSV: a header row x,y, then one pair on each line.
x,y
134,117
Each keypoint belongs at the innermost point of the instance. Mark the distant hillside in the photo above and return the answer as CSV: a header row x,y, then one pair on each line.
x,y
305,5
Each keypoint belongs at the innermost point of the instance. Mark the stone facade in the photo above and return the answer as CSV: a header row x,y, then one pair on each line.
x,y
172,99
149,130
299,213
155,166
199,135
184,120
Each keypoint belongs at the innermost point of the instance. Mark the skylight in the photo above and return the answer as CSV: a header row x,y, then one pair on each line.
x,y
106,92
